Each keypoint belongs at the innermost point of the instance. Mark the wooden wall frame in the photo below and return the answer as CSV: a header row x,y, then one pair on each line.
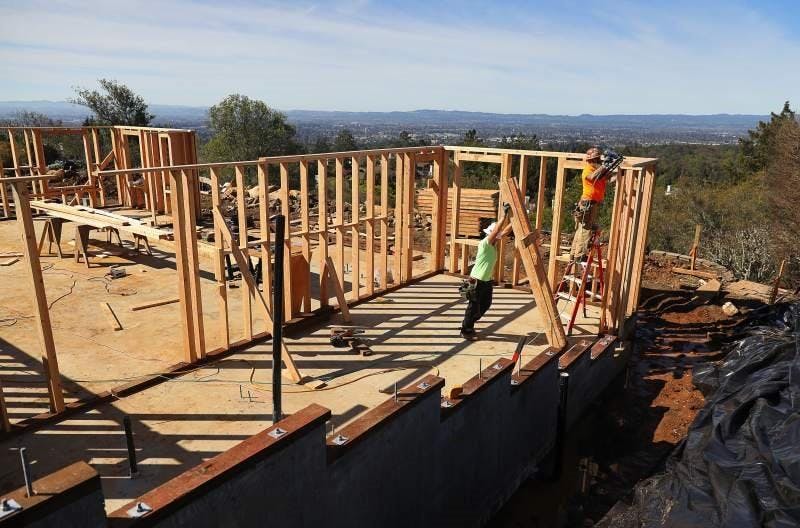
x,y
171,186
156,147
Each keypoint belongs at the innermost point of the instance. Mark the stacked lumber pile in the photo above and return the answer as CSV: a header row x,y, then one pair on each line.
x,y
476,204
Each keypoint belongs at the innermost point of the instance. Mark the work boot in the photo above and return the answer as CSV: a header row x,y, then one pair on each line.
x,y
469,335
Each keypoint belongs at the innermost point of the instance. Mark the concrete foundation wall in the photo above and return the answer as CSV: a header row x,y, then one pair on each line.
x,y
70,497
422,460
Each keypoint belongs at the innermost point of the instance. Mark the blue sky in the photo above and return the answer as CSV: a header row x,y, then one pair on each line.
x,y
601,57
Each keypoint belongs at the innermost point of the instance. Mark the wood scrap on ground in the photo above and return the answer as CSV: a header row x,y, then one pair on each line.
x,y
153,304
112,317
695,273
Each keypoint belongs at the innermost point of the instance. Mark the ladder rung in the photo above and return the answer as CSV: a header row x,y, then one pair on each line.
x,y
567,297
577,280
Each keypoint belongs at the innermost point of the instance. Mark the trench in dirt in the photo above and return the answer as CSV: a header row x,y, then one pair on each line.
x,y
627,435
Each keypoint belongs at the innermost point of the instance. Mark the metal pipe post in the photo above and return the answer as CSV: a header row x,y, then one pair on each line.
x,y
134,470
561,426
277,317
26,472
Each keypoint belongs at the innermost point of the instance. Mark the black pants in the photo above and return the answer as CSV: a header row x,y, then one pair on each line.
x,y
478,306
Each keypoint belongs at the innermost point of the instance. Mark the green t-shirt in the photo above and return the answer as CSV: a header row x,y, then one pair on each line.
x,y
484,261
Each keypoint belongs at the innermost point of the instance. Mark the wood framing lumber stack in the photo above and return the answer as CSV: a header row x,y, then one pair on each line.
x,y
99,219
474,205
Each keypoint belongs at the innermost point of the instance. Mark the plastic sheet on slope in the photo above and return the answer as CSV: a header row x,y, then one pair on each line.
x,y
739,465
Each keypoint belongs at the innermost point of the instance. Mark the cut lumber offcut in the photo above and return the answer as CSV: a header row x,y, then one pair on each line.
x,y
313,383
153,304
112,317
695,273
8,262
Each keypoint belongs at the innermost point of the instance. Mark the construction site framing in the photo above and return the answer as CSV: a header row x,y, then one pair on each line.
x,y
171,196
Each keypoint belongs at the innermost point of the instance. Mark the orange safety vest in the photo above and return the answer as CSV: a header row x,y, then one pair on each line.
x,y
592,190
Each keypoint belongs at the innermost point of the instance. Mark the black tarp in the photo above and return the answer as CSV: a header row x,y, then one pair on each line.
x,y
739,465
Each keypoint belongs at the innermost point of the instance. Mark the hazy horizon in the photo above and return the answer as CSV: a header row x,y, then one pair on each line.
x,y
454,110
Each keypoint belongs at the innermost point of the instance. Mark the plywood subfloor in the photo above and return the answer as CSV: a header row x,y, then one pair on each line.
x,y
179,423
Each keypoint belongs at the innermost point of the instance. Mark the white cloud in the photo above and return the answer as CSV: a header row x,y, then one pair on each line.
x,y
355,55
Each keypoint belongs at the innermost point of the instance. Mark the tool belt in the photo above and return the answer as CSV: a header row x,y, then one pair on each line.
x,y
582,207
469,289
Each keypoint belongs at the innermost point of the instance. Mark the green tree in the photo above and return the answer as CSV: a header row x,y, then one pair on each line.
x,y
115,105
26,118
246,129
56,146
471,138
321,144
760,143
782,181
344,141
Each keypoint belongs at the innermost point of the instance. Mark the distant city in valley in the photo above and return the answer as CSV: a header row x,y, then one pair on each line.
x,y
443,126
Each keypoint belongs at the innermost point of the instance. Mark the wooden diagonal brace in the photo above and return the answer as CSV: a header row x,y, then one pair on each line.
x,y
108,159
532,260
330,273
248,278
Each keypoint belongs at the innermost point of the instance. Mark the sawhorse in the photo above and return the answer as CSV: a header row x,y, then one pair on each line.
x,y
52,230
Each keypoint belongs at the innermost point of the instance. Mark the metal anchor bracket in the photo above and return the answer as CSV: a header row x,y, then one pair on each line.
x,y
9,507
140,510
277,432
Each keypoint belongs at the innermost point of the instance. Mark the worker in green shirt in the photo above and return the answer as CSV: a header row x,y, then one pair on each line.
x,y
479,292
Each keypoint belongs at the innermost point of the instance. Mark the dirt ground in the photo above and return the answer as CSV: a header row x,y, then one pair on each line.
x,y
645,414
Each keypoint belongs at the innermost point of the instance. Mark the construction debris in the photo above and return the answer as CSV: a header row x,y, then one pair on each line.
x,y
112,317
153,304
346,337
710,288
695,273
729,309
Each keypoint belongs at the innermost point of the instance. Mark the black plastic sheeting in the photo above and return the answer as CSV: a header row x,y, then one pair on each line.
x,y
739,465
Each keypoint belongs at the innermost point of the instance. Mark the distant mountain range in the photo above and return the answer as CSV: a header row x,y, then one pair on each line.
x,y
454,117
444,125
69,112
